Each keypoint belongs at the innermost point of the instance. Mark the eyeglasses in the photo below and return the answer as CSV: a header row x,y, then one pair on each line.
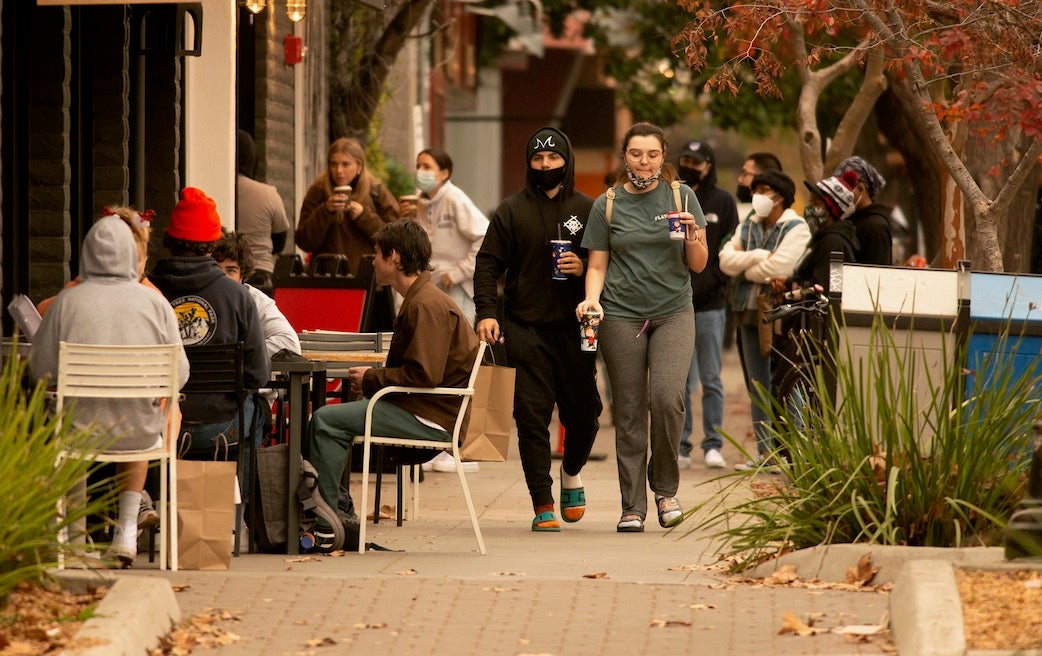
x,y
652,155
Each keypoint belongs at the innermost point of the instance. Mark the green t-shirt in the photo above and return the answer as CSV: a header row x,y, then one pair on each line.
x,y
647,275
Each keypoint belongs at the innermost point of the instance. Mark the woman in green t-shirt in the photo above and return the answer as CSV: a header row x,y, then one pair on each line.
x,y
637,280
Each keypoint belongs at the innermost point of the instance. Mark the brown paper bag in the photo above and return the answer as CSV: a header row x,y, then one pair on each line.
x,y
205,513
488,431
765,302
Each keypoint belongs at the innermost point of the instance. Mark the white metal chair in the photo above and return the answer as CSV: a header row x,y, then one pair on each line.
x,y
367,440
126,372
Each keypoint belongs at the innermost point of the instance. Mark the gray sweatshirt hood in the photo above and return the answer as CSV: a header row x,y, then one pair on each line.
x,y
109,252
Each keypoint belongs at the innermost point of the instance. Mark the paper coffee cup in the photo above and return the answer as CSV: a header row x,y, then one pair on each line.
x,y
342,189
588,327
676,228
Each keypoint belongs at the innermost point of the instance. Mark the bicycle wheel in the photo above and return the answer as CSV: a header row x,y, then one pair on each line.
x,y
797,399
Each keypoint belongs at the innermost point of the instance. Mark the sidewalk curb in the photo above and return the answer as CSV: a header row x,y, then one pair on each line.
x,y
131,619
926,611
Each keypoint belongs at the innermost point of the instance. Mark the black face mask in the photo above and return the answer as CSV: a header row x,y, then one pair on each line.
x,y
691,177
547,179
745,194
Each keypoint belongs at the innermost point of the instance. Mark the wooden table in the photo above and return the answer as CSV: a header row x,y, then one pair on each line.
x,y
361,357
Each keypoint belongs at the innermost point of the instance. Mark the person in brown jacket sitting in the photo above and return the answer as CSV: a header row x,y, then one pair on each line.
x,y
434,345
345,207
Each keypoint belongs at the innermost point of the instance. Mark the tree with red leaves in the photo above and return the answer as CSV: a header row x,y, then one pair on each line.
x,y
968,71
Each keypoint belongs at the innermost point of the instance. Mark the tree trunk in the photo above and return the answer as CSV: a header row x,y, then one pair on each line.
x,y
364,44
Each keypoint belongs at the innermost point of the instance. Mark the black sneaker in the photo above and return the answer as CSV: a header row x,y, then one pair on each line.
x,y
325,539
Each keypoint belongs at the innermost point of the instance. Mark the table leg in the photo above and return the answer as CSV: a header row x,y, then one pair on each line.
x,y
297,415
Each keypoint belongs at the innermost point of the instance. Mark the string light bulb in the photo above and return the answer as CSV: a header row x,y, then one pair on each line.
x,y
296,9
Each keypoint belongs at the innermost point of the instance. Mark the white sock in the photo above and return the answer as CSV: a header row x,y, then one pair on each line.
x,y
570,482
129,505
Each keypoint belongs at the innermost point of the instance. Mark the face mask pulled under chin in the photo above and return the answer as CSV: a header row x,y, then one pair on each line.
x,y
762,204
642,183
744,194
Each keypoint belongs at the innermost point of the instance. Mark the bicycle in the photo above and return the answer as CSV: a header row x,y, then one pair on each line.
x,y
802,353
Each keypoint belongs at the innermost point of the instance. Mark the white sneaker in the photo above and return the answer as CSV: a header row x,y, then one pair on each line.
x,y
684,462
444,462
714,460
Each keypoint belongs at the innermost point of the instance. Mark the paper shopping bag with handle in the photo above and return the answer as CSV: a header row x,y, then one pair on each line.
x,y
491,420
205,513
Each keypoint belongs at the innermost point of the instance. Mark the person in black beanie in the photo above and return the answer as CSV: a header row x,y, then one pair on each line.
x,y
538,326
697,167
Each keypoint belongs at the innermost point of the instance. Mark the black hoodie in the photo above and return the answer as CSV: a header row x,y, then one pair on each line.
x,y
872,224
814,267
709,288
517,244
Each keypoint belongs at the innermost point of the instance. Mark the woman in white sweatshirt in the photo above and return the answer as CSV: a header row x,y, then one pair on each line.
x,y
766,246
455,225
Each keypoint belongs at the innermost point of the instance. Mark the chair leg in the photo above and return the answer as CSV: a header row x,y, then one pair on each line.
x,y
379,482
470,502
400,469
365,497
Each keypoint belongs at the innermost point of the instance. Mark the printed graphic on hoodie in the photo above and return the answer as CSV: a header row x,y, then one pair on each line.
x,y
195,318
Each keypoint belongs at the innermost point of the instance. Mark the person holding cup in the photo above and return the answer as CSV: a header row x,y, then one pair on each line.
x,y
538,330
344,207
637,280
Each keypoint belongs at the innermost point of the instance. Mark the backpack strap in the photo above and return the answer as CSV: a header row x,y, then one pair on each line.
x,y
610,198
676,194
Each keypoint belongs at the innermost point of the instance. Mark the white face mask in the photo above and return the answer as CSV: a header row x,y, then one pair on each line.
x,y
427,180
762,204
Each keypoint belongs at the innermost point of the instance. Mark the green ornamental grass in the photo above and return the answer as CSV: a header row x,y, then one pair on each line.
x,y
880,465
30,482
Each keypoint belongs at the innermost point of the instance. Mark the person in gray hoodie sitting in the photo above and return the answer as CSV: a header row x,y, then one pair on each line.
x,y
110,306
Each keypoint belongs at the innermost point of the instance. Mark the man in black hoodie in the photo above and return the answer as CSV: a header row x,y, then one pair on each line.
x,y
211,308
697,167
871,219
539,330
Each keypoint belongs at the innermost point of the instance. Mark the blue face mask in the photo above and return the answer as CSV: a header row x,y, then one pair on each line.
x,y
426,181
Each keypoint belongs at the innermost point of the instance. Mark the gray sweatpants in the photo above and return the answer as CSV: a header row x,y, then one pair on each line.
x,y
648,371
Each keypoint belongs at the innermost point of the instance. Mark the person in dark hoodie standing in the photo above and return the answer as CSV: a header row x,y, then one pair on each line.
x,y
832,203
539,329
871,220
211,308
697,168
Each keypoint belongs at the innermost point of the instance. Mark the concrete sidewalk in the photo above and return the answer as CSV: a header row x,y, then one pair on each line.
x,y
585,590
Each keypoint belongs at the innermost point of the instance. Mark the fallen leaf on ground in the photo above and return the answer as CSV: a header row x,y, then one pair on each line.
x,y
782,576
863,572
793,624
699,606
386,512
319,642
508,574
180,587
658,624
302,559
371,625
596,575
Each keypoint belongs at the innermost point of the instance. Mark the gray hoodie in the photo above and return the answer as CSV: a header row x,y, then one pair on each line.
x,y
109,306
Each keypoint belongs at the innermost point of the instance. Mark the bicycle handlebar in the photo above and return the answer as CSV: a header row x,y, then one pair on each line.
x,y
817,305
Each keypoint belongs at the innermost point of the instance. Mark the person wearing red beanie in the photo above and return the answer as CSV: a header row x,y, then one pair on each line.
x,y
195,217
211,308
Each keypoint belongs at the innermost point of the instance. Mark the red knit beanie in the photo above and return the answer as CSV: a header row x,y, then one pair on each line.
x,y
195,217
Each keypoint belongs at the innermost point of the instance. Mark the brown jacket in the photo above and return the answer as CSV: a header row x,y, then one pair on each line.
x,y
319,231
433,346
